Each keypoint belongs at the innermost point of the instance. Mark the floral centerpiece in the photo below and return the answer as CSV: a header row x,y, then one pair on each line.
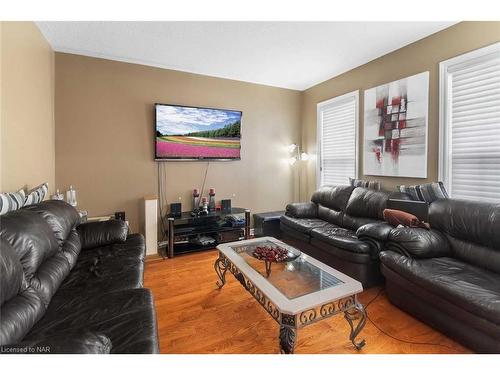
x,y
272,254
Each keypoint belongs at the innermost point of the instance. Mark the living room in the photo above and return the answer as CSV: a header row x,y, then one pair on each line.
x,y
250,187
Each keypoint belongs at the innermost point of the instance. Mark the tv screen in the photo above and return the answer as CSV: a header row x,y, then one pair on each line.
x,y
197,133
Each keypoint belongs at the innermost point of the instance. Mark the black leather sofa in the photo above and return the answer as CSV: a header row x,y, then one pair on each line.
x,y
72,288
341,226
449,276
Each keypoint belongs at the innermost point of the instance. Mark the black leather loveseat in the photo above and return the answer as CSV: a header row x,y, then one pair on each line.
x,y
449,276
341,226
70,288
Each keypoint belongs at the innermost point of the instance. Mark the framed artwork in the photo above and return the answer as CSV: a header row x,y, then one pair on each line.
x,y
395,128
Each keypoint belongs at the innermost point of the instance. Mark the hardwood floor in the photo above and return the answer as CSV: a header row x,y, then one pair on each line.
x,y
195,317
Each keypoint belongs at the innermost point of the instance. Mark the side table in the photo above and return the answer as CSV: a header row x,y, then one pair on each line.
x,y
267,224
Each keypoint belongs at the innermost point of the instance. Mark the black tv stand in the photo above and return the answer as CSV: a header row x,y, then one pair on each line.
x,y
183,228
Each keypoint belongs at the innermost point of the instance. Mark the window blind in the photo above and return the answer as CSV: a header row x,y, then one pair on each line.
x,y
337,140
474,128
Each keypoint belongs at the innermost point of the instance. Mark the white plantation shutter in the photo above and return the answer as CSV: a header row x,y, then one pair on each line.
x,y
470,128
337,139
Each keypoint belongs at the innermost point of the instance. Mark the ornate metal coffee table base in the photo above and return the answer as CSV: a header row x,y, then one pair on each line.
x,y
353,310
356,312
220,268
288,338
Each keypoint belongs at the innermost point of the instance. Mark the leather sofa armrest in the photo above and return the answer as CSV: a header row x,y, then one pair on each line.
x,y
80,343
376,235
377,231
302,210
418,242
102,233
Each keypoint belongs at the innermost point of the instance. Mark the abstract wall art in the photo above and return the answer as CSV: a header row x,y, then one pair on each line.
x,y
395,128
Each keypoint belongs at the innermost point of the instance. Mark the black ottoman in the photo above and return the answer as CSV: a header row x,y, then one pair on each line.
x,y
267,224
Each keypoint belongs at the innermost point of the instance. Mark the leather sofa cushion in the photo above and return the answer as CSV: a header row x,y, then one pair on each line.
x,y
18,315
471,221
59,215
302,225
44,266
478,255
418,242
102,233
11,272
340,237
333,197
331,201
378,231
71,247
106,269
101,278
289,232
302,210
20,306
133,249
49,276
355,223
367,203
329,215
343,254
127,317
32,246
81,343
471,288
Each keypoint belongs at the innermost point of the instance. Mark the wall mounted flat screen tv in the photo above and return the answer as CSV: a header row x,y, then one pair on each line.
x,y
192,133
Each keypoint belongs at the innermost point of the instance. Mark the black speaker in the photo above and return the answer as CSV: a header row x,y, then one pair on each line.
x,y
120,215
175,209
225,205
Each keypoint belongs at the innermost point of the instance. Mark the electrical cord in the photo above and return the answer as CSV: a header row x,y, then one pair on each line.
x,y
374,298
204,179
161,194
394,337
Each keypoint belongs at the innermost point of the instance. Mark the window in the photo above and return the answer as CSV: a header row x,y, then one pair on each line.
x,y
337,140
469,124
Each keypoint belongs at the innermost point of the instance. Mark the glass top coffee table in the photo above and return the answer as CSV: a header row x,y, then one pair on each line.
x,y
297,292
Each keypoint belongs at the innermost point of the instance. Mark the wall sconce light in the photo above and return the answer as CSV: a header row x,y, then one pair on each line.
x,y
292,148
296,154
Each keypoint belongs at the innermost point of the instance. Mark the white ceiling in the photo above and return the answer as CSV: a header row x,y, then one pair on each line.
x,y
295,55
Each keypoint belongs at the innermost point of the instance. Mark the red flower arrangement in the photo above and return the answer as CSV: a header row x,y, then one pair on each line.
x,y
270,254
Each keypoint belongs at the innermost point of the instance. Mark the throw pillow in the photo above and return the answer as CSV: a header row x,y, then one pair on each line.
x,y
397,217
37,194
432,191
426,192
12,201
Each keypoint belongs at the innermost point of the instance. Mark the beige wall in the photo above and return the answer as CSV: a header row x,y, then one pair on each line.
x,y
27,107
104,137
104,120
423,55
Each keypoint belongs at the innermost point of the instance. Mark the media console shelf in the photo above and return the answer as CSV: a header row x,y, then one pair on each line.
x,y
183,229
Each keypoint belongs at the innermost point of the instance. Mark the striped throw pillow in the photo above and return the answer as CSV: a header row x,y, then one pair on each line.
x,y
426,192
373,185
12,201
36,195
